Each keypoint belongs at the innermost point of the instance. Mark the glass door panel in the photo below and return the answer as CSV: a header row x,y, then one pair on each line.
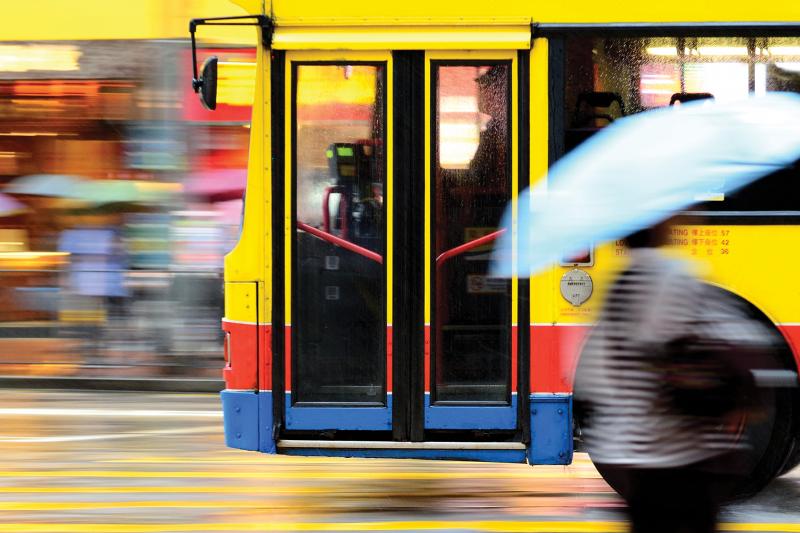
x,y
470,347
338,341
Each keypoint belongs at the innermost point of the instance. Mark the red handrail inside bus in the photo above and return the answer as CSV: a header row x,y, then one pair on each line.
x,y
342,243
326,212
467,246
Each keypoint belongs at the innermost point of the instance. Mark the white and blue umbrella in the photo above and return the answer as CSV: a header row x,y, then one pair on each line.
x,y
642,169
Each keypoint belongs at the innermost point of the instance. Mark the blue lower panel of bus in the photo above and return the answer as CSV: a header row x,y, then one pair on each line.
x,y
341,418
470,416
248,420
248,424
492,456
551,429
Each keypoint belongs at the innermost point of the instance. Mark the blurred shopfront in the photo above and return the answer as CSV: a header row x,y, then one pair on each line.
x,y
119,275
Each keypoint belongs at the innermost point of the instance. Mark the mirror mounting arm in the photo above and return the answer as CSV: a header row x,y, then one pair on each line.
x,y
265,23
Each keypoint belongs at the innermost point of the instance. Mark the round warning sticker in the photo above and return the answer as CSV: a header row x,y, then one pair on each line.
x,y
576,286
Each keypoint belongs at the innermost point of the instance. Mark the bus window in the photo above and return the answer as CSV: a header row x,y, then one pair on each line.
x,y
646,73
338,297
471,186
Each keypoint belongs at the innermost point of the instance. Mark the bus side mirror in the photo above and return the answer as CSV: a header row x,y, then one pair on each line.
x,y
206,84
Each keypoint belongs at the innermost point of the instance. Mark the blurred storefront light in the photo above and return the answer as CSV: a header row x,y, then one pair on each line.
x,y
736,51
672,51
42,57
782,51
667,51
36,134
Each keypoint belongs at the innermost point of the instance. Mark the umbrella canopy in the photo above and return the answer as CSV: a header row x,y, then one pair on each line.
x,y
642,169
55,185
102,192
10,207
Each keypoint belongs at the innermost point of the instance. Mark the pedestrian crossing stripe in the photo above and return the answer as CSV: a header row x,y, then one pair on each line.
x,y
486,526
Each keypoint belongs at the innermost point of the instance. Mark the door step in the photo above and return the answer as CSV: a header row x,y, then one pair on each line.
x,y
504,452
392,445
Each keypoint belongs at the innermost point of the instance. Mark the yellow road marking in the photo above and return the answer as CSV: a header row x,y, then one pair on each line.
x,y
167,460
145,504
273,490
283,461
293,475
142,504
432,525
488,526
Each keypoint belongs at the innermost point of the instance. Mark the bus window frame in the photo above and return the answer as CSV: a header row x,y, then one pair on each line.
x,y
558,35
333,415
470,415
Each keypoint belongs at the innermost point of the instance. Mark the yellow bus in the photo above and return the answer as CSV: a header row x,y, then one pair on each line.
x,y
386,140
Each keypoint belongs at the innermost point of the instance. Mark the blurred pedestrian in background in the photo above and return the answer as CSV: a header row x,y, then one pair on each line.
x,y
662,386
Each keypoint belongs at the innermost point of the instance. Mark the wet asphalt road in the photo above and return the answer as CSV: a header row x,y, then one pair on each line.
x,y
79,462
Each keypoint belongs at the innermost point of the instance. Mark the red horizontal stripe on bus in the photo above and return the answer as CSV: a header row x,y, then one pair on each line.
x,y
389,354
427,357
555,350
287,361
792,335
265,357
514,357
554,355
241,369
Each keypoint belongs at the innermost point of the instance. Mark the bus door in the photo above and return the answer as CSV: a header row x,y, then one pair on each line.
x,y
337,342
339,277
470,318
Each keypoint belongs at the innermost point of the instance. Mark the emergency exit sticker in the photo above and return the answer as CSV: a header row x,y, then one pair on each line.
x,y
480,284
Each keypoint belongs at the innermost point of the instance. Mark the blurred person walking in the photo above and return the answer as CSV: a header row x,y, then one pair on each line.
x,y
661,383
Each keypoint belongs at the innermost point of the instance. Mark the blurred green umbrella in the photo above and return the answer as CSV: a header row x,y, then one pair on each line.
x,y
55,185
104,192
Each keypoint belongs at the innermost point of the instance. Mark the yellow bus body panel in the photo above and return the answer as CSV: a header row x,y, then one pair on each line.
x,y
465,12
251,258
86,20
755,262
241,301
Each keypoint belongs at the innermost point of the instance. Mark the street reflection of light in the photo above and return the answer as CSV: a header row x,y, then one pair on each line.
x,y
36,134
458,104
456,154
459,142
25,58
662,51
726,81
672,51
722,50
784,50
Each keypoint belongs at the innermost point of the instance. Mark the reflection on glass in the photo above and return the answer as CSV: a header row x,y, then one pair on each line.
x,y
338,344
651,72
472,313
